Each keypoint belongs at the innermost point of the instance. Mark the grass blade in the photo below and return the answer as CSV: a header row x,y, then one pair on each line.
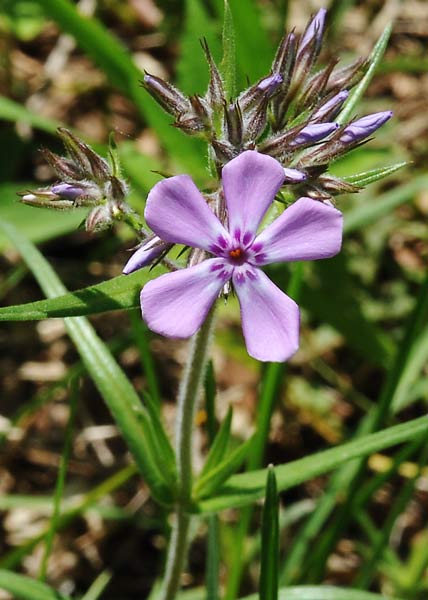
x,y
228,63
358,92
219,446
269,560
25,588
209,483
246,488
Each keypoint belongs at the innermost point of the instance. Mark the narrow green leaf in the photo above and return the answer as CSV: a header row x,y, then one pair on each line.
x,y
219,446
368,177
373,210
324,592
254,50
192,68
12,111
117,391
228,63
115,294
210,393
164,455
246,488
358,92
213,559
269,559
142,337
25,588
207,485
98,586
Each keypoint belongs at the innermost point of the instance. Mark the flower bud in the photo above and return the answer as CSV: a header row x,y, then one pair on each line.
x,y
215,94
331,108
313,133
98,219
313,34
68,191
234,124
293,176
146,253
165,94
359,130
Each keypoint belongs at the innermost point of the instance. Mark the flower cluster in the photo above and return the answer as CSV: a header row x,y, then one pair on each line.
x,y
86,180
289,114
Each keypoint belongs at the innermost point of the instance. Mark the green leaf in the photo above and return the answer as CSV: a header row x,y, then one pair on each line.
x,y
164,453
121,398
269,559
323,592
359,91
368,177
254,50
209,483
115,294
219,447
373,210
228,62
192,68
246,488
98,586
12,111
116,62
25,588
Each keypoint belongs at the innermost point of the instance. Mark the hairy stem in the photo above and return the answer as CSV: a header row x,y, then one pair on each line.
x,y
188,396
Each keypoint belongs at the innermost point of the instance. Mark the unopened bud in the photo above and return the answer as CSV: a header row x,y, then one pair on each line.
x,y
313,133
215,95
98,219
234,123
331,108
293,176
313,33
358,130
171,99
67,191
347,77
149,251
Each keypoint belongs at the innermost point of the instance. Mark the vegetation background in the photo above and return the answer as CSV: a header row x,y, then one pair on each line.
x,y
363,360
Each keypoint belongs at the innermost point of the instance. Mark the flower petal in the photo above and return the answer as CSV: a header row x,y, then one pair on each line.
x,y
270,319
177,212
176,304
306,230
250,182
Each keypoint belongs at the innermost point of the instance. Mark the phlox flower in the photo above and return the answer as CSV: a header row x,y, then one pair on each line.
x,y
177,303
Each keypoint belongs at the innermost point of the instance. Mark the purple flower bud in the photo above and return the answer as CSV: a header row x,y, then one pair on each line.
x,y
145,254
67,191
330,108
171,99
313,133
270,84
314,32
358,130
293,176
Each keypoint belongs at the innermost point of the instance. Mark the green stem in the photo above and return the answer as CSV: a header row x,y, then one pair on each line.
x,y
188,396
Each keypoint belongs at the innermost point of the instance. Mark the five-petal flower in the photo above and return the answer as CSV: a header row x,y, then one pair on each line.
x,y
177,303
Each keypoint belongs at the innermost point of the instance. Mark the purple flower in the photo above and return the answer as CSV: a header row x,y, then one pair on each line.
x,y
176,304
